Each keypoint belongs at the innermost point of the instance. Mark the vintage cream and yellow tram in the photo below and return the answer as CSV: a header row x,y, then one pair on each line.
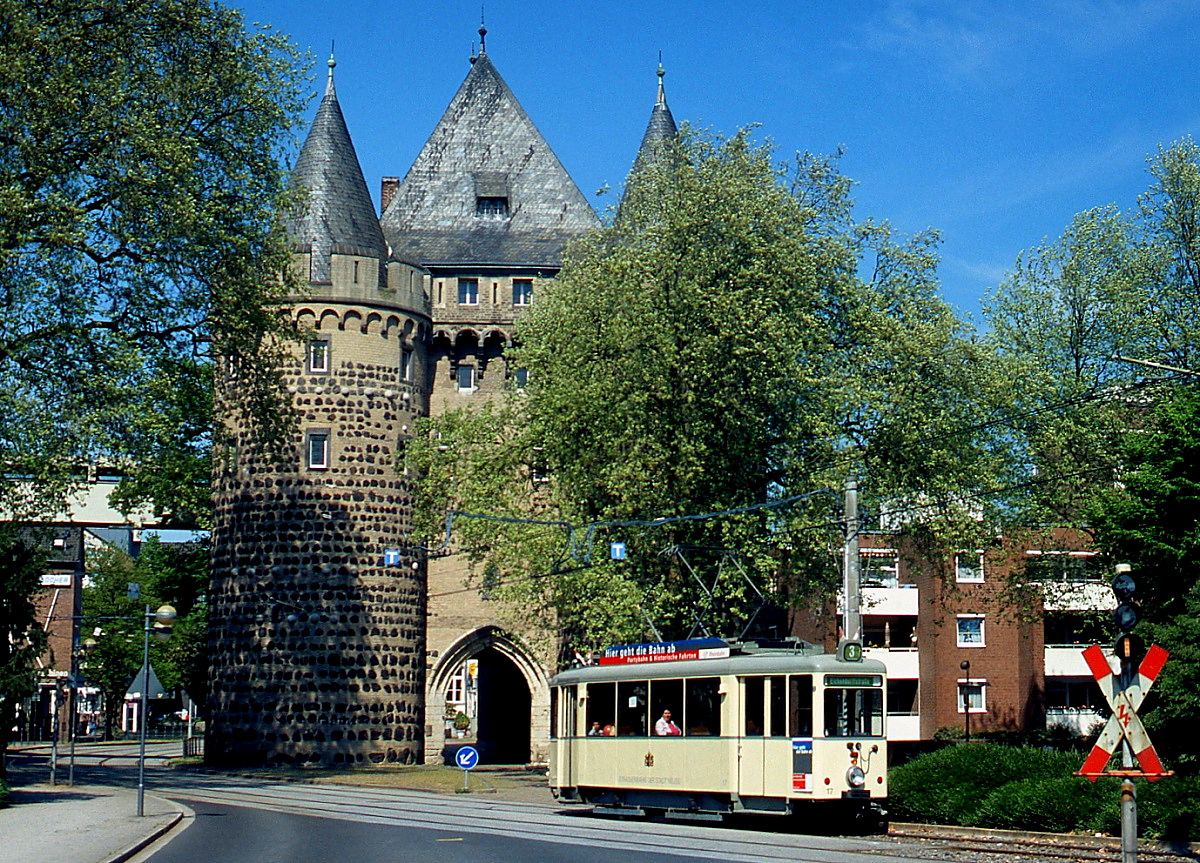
x,y
750,729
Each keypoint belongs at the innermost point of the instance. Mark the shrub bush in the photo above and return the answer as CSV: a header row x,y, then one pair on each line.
x,y
950,785
3,794
1063,804
1167,809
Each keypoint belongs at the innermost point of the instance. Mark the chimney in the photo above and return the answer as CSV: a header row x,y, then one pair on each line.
x,y
387,191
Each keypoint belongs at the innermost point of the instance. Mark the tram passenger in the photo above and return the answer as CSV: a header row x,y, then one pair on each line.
x,y
595,730
665,727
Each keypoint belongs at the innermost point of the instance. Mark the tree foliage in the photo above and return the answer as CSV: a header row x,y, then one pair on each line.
x,y
734,344
166,573
1114,285
22,640
1152,521
141,184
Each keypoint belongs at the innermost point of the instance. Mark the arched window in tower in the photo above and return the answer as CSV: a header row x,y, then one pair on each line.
x,y
406,372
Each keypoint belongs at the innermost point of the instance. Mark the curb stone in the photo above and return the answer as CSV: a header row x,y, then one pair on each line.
x,y
160,831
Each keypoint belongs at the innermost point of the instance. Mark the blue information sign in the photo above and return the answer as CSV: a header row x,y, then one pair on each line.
x,y
466,757
391,557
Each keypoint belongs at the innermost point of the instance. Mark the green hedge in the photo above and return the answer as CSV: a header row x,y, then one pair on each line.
x,y
989,785
3,794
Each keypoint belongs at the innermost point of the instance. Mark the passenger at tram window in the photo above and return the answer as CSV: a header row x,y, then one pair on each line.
x,y
609,731
665,727
595,730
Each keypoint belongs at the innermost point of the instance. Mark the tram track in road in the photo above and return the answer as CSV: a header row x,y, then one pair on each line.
x,y
537,822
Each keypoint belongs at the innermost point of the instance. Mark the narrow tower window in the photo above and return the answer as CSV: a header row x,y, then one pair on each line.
x,y
318,356
316,449
405,364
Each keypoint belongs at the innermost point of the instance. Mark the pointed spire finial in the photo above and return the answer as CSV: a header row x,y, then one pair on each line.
x,y
662,93
482,32
331,62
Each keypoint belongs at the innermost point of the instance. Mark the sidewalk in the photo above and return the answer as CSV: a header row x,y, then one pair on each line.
x,y
80,824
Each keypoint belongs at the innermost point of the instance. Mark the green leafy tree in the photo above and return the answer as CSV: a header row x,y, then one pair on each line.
x,y
166,573
1114,285
142,184
1152,521
22,641
141,187
718,349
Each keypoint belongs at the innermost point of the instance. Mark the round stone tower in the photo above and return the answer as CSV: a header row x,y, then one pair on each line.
x,y
317,603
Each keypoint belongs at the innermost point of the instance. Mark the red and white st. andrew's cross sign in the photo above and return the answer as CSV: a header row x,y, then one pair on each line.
x,y
1124,722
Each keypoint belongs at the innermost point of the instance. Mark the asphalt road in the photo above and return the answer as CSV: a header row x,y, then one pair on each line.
x,y
245,821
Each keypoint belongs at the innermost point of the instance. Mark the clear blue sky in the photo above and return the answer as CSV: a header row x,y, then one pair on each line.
x,y
991,122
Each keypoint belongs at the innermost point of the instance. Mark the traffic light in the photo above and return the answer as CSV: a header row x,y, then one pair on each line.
x,y
1127,647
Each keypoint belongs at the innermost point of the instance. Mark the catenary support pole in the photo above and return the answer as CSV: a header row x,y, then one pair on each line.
x,y
852,616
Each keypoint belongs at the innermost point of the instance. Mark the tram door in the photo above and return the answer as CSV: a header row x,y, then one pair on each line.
x,y
764,763
751,746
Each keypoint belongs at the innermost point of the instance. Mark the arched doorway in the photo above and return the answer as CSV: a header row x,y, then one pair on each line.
x,y
504,702
486,683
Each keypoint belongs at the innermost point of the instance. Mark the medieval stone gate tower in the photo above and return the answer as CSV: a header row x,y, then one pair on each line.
x,y
318,594
334,640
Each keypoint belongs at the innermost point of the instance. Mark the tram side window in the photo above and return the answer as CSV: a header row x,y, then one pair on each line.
x,y
753,717
667,695
703,714
800,717
553,712
854,712
778,706
601,706
632,708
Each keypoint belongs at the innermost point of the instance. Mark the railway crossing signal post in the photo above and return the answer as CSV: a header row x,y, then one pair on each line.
x,y
1125,692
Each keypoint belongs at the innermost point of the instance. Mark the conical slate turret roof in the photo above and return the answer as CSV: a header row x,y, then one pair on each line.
x,y
338,212
486,188
661,129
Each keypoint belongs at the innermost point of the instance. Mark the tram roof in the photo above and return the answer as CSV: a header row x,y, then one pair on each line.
x,y
772,661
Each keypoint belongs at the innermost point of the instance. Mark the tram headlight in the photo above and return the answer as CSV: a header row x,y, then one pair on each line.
x,y
855,777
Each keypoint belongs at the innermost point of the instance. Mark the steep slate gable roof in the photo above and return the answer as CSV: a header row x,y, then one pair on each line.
x,y
485,146
338,211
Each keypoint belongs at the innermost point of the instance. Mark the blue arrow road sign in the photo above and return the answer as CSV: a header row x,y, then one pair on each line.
x,y
466,757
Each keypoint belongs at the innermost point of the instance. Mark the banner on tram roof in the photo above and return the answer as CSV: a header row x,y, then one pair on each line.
x,y
665,651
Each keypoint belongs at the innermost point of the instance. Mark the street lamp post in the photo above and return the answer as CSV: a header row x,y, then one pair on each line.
x,y
965,665
159,622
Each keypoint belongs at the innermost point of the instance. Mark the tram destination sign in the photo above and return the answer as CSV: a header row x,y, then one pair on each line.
x,y
665,651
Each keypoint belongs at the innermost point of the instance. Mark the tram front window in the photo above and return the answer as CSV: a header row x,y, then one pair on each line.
x,y
854,712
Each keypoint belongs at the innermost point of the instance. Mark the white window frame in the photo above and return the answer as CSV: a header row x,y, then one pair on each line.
x,y
324,456
458,378
468,292
525,296
889,573
958,628
978,577
312,367
961,699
